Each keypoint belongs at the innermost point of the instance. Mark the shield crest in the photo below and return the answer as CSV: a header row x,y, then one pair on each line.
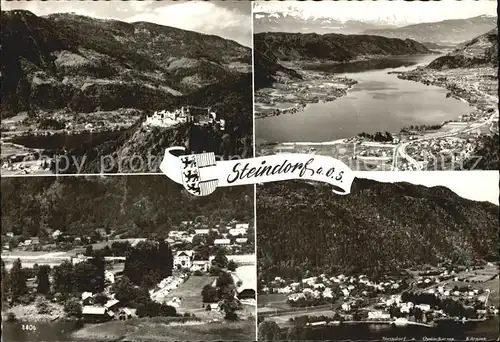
x,y
191,165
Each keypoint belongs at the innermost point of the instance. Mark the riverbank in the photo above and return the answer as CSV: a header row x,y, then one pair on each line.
x,y
166,329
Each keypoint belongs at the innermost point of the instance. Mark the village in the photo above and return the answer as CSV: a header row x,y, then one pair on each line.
x,y
164,118
424,298
200,256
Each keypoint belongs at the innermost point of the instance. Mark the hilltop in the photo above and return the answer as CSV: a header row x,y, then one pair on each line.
x,y
452,31
378,228
82,64
331,47
480,51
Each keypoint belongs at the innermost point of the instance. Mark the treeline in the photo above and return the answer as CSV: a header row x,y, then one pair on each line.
x,y
379,137
68,279
135,206
379,229
420,128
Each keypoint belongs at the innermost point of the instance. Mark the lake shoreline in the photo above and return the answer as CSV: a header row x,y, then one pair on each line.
x,y
315,87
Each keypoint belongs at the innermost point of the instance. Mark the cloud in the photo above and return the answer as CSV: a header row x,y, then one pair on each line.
x,y
205,17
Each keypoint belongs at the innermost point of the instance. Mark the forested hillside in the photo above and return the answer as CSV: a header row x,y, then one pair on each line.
x,y
379,228
136,205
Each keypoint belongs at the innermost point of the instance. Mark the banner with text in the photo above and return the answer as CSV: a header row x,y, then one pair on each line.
x,y
201,174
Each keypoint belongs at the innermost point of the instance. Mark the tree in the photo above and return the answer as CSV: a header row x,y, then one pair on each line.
x,y
220,259
268,331
126,292
229,306
17,280
231,266
209,294
64,277
5,283
73,308
42,277
100,299
293,333
89,250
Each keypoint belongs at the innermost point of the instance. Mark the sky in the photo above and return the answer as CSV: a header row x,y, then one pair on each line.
x,y
473,185
394,12
228,19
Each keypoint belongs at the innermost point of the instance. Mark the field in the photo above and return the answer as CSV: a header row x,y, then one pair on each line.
x,y
273,301
163,329
190,293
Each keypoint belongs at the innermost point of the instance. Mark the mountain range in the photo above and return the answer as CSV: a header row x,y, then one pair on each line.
x,y
83,64
278,22
446,32
379,228
480,51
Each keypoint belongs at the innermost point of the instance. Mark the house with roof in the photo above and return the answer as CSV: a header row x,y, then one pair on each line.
x,y
125,313
96,314
183,259
111,304
87,298
241,240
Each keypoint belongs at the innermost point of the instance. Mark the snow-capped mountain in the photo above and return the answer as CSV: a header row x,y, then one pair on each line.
x,y
295,22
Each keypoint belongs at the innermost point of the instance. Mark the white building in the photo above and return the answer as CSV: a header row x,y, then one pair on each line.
x,y
241,240
166,118
183,259
222,242
378,315
202,231
423,307
201,265
237,231
242,226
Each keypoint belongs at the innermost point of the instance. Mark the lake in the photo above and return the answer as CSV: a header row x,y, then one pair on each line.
x,y
45,331
484,330
64,140
378,102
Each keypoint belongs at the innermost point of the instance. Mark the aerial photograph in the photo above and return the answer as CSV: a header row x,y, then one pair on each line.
x,y
126,258
105,87
400,258
380,85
